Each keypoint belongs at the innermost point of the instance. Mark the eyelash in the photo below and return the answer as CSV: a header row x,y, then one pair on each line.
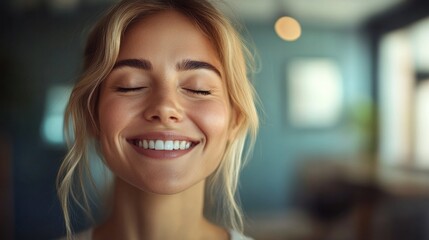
x,y
124,90
198,92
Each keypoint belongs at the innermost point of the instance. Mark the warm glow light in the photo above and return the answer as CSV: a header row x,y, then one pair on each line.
x,y
288,28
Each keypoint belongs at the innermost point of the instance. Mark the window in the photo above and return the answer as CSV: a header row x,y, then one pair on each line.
x,y
52,124
404,96
315,93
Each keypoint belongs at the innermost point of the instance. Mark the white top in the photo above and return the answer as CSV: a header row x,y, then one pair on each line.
x,y
87,235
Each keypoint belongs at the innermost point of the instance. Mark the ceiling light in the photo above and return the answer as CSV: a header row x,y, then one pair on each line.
x,y
288,28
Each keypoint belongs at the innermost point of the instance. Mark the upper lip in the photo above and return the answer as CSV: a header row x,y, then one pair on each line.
x,y
162,136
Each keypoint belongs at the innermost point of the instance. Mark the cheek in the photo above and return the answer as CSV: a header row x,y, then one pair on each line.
x,y
214,123
112,118
112,115
213,120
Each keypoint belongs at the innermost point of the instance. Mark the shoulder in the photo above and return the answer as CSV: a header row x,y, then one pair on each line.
x,y
87,235
84,235
238,236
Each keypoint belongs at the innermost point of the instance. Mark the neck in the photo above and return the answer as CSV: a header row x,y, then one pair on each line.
x,y
137,214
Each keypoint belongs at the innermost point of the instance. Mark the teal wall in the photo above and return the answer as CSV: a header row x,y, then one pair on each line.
x,y
269,180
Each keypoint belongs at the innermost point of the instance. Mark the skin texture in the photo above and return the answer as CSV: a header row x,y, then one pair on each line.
x,y
167,84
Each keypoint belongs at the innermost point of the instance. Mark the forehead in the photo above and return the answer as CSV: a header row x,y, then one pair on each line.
x,y
168,32
165,18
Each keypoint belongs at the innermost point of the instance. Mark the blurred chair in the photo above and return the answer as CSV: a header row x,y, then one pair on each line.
x,y
341,207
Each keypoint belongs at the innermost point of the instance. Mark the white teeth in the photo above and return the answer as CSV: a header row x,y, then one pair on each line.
x,y
168,145
182,145
163,145
159,145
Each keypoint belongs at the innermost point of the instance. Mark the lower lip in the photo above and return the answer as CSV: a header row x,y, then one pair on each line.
x,y
161,154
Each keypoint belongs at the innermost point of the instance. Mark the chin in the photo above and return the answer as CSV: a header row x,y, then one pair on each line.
x,y
166,187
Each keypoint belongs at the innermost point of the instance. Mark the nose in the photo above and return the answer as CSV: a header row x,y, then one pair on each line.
x,y
164,107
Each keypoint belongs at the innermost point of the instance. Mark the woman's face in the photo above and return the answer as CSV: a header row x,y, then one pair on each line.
x,y
164,113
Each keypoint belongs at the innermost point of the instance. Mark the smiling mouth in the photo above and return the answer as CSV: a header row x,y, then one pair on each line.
x,y
163,145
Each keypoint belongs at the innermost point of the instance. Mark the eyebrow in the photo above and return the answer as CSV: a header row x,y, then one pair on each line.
x,y
188,64
184,65
134,63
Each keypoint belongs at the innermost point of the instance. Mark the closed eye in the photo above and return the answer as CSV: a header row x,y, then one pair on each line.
x,y
198,92
124,90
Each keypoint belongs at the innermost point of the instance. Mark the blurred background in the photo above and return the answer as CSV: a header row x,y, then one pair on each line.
x,y
342,151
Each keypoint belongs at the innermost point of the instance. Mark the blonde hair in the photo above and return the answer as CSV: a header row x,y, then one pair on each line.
x,y
100,55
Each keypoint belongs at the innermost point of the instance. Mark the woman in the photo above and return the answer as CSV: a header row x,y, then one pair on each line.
x,y
165,100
